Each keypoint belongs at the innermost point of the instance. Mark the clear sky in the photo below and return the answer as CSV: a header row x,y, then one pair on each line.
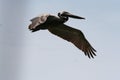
x,y
43,56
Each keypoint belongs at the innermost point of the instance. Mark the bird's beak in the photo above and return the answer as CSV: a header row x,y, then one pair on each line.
x,y
72,16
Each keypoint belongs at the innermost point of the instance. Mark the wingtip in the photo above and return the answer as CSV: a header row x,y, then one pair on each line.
x,y
90,55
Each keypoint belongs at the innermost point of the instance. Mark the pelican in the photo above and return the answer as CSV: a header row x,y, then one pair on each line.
x,y
57,27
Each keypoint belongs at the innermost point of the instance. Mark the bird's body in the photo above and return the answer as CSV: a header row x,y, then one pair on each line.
x,y
44,21
56,26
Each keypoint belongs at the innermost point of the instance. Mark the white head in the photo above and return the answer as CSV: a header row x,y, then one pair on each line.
x,y
38,20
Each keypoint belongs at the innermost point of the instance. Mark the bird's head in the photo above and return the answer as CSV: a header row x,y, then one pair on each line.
x,y
37,21
67,14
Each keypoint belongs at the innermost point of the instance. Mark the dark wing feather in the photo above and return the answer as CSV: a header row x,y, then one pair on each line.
x,y
75,36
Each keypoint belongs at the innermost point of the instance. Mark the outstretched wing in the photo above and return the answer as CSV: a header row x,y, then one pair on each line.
x,y
75,36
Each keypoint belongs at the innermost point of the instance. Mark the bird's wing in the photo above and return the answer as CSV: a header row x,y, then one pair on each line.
x,y
75,36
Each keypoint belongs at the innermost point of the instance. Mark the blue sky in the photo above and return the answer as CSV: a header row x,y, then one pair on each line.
x,y
43,56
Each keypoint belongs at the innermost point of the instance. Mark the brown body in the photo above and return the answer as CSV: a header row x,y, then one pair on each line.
x,y
56,26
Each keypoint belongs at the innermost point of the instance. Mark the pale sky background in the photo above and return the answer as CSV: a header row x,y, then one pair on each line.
x,y
43,56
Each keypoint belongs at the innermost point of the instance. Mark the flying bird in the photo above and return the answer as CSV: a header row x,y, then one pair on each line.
x,y
56,26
